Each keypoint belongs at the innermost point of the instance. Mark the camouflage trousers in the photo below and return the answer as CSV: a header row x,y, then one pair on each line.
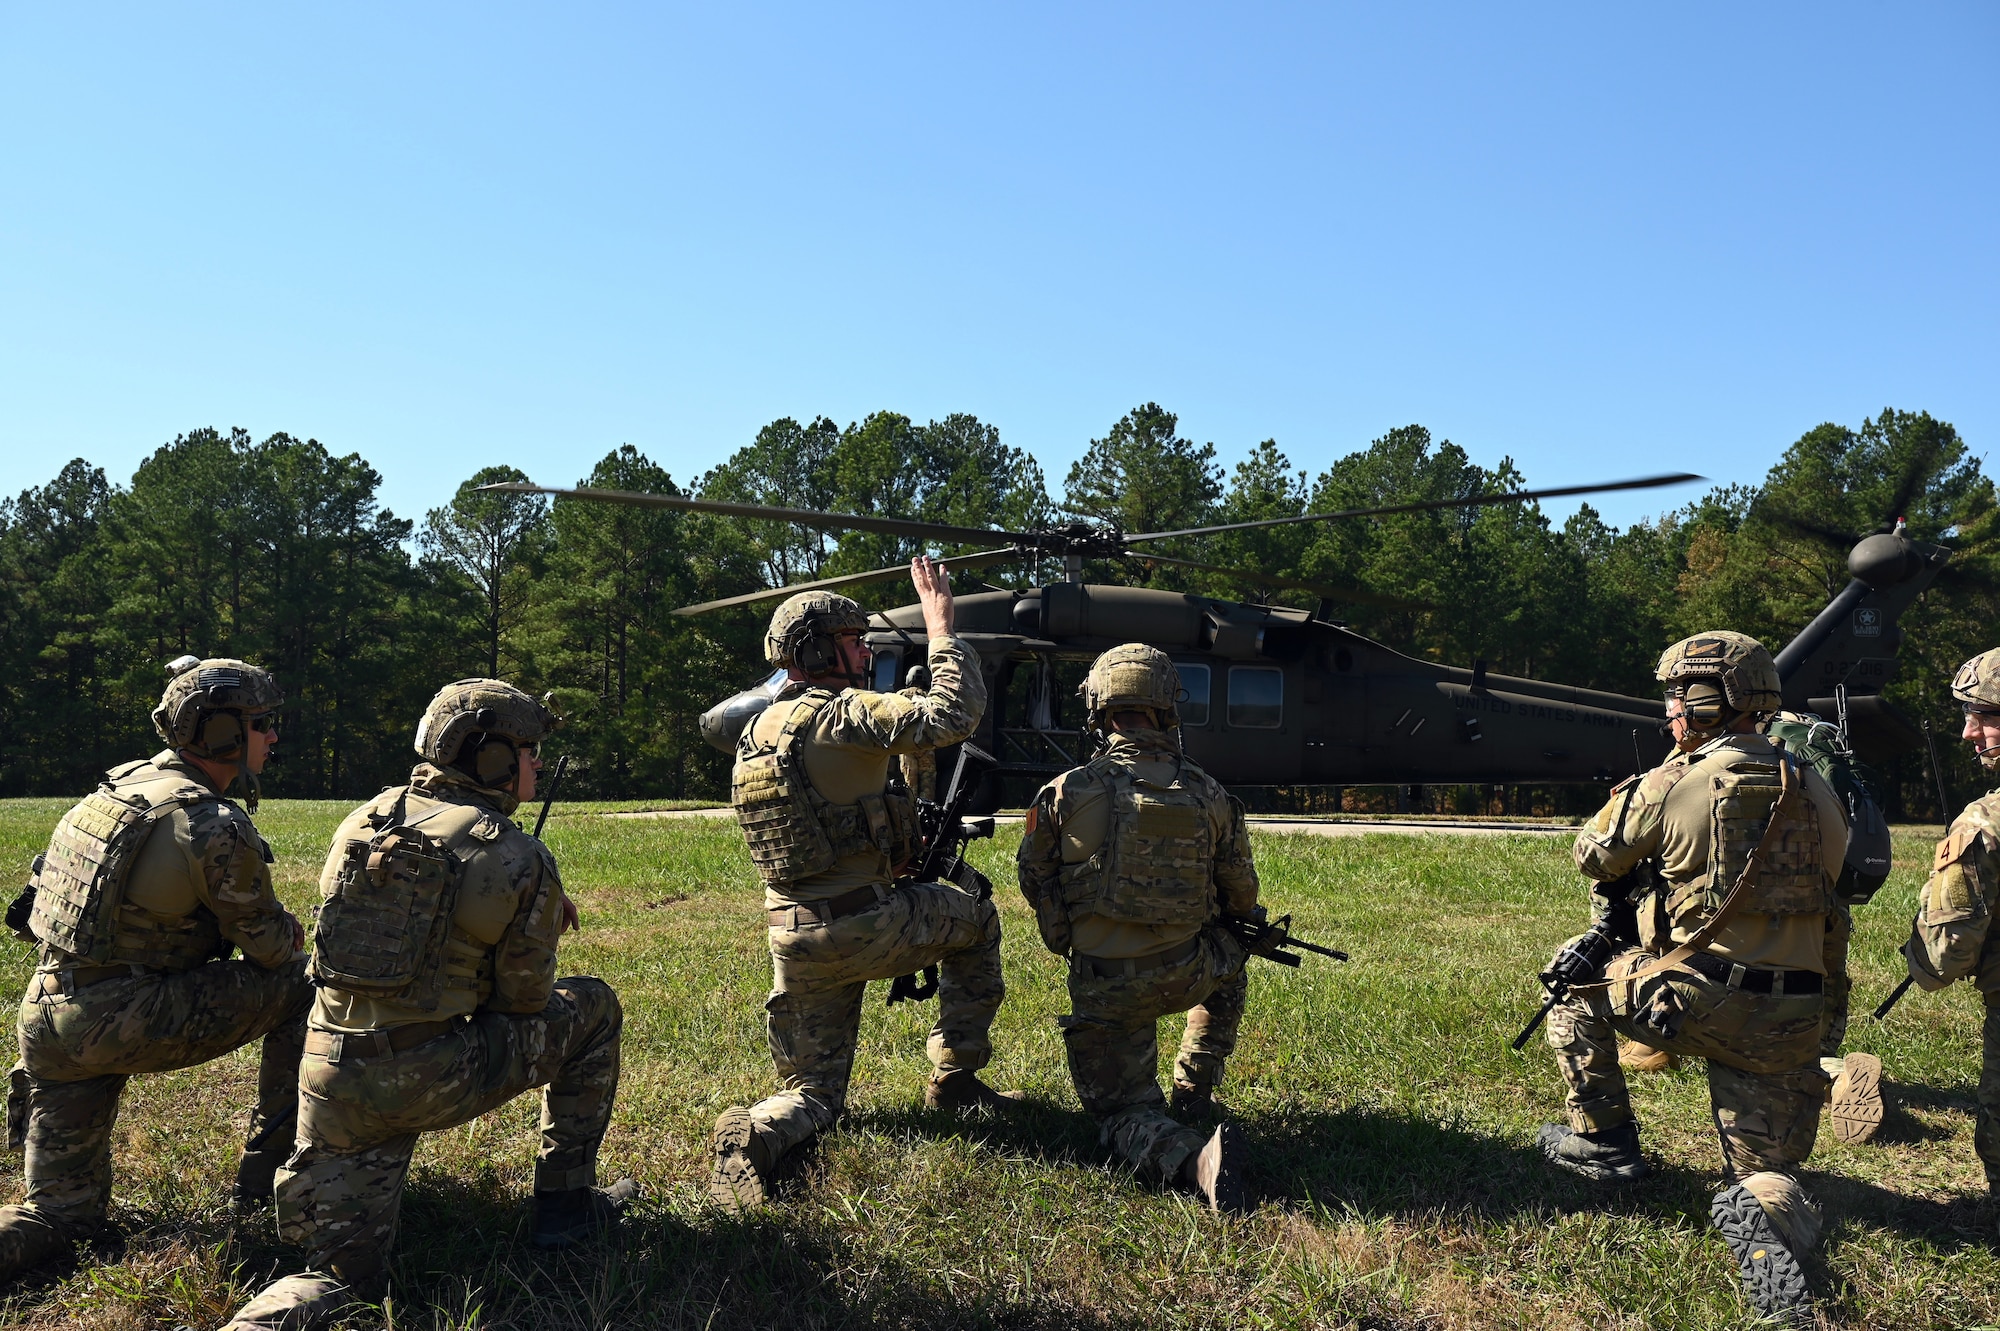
x,y
1986,1129
1765,1086
1112,1037
359,1120
819,973
1839,987
79,1046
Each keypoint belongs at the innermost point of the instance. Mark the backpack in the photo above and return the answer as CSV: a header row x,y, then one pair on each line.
x,y
1822,746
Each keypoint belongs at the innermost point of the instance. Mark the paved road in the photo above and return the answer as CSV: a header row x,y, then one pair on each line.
x,y
1308,826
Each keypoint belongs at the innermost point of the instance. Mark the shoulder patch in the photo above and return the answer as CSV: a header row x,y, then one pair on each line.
x,y
1957,844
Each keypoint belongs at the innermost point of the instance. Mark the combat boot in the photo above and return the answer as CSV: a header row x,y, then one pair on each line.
x,y
1215,1172
961,1089
575,1214
1855,1103
27,1240
745,1172
1773,1280
1645,1058
256,1175
1193,1102
1609,1156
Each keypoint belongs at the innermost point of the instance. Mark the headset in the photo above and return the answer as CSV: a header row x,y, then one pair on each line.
x,y
493,760
816,652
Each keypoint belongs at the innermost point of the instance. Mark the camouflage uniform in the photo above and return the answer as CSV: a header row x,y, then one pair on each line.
x,y
846,922
489,1021
1765,1082
147,988
1952,937
1128,968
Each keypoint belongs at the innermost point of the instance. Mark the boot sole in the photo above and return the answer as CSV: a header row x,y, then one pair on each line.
x,y
1773,1280
735,1184
1553,1135
1857,1107
1223,1187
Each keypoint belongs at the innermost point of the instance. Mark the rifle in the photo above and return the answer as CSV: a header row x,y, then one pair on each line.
x,y
943,833
1268,938
1582,961
555,783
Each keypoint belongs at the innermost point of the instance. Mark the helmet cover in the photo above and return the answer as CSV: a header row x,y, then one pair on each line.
x,y
481,707
1739,663
1134,675
198,689
1978,681
803,629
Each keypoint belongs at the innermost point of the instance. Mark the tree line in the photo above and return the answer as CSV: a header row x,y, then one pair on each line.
x,y
279,551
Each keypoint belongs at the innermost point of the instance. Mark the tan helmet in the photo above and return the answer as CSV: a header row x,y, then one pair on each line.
x,y
803,628
1133,675
1735,663
1978,681
492,712
206,704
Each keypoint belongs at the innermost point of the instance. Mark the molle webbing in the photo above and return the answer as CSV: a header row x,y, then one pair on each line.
x,y
386,932
1745,814
80,891
792,830
1156,863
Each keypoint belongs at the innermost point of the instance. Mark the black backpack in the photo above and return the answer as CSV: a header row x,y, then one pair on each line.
x,y
1823,746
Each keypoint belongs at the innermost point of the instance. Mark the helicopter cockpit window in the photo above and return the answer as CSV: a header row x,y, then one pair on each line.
x,y
1256,697
1194,683
886,661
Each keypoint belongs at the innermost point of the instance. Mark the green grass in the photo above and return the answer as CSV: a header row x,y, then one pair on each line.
x,y
1392,1132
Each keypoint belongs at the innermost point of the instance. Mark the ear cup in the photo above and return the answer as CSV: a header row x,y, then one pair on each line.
x,y
1703,705
817,654
219,734
493,764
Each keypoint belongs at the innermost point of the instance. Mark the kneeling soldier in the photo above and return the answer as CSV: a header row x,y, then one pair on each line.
x,y
1729,962
1952,937
146,886
1129,861
829,839
435,957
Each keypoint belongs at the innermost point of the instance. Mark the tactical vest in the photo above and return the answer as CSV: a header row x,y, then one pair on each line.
x,y
80,905
794,831
386,929
1793,880
1155,866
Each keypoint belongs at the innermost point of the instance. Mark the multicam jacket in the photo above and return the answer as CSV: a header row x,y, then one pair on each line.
x,y
499,949
1952,936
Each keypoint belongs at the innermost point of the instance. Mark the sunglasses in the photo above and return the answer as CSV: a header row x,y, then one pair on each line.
x,y
264,724
1974,709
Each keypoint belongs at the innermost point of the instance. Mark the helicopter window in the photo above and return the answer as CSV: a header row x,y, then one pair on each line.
x,y
1256,697
886,661
1194,683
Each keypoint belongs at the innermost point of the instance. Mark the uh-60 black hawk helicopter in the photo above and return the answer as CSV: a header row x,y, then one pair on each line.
x,y
1279,696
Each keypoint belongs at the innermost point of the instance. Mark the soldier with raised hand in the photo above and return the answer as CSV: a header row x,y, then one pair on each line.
x,y
1129,863
146,887
1952,937
435,958
1727,853
829,840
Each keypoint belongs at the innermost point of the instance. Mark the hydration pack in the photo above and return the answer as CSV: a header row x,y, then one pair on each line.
x,y
1822,746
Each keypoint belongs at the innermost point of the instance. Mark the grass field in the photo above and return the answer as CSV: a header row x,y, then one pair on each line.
x,y
1392,1132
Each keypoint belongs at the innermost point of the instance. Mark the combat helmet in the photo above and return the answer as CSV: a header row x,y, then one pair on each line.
x,y
1134,675
1977,683
207,706
803,632
1720,674
477,726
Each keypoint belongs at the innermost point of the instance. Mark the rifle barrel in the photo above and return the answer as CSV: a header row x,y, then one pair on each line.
x,y
1895,996
555,784
1528,1031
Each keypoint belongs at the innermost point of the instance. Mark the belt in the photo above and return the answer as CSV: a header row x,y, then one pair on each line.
x,y
1755,979
864,898
1103,968
339,1046
64,980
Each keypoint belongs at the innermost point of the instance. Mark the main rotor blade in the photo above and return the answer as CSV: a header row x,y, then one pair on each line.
x,y
1511,497
1357,595
1803,527
805,517
979,560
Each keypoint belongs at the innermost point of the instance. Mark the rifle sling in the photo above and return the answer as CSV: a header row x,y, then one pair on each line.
x,y
1788,791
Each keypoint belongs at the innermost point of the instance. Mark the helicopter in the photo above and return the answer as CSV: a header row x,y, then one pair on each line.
x,y
1280,696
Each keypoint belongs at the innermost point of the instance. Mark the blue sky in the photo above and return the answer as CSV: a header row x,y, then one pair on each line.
x,y
1602,240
